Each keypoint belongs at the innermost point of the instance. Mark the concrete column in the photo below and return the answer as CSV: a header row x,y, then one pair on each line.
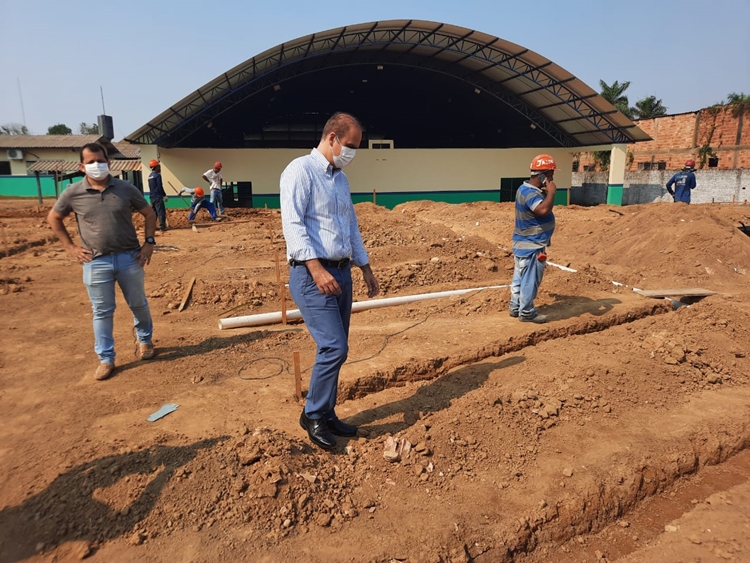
x,y
616,174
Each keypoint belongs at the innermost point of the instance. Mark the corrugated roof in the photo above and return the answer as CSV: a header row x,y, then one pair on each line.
x,y
47,141
128,150
548,95
72,165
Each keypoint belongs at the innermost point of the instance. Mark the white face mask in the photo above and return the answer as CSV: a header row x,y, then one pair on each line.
x,y
97,170
346,156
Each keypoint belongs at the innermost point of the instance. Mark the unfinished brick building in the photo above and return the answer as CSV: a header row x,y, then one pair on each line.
x,y
713,137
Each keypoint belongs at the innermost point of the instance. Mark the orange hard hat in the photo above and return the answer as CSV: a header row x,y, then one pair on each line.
x,y
543,163
199,192
690,163
153,163
217,164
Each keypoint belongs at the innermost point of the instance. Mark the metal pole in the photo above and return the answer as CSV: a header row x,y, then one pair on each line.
x,y
57,189
39,188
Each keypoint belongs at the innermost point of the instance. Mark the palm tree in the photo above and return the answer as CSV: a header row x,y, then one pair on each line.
x,y
649,107
615,95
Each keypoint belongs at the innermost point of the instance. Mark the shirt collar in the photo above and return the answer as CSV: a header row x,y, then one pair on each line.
x,y
322,161
88,186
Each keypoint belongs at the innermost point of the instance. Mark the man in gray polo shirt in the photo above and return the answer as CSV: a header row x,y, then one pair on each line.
x,y
109,250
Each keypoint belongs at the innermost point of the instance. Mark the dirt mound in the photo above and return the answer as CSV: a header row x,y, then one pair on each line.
x,y
651,245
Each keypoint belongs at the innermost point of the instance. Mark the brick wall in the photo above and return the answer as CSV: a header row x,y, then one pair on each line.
x,y
677,138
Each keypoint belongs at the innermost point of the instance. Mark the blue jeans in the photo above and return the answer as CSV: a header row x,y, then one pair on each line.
x,y
202,203
217,199
527,276
99,277
327,318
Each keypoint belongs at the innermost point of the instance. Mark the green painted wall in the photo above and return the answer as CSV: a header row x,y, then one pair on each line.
x,y
26,186
614,194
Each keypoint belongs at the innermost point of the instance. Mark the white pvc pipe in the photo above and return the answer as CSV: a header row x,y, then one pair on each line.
x,y
294,314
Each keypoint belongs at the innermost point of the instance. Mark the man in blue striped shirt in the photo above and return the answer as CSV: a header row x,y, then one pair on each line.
x,y
323,240
535,224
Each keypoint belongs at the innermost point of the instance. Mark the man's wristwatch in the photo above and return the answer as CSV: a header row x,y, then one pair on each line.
x,y
150,240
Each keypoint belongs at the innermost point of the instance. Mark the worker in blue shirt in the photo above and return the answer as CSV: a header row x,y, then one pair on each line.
x,y
198,201
684,182
156,194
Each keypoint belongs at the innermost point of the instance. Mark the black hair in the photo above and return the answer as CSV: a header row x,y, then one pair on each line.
x,y
95,148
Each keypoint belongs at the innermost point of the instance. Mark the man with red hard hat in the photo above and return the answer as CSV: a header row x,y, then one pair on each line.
x,y
535,224
198,200
156,194
684,182
214,179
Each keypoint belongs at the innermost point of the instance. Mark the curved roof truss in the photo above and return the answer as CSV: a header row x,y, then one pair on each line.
x,y
552,99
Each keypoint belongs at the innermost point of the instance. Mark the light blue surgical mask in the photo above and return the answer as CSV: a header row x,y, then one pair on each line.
x,y
346,156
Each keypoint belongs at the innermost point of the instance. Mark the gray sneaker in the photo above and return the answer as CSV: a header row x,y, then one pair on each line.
x,y
513,314
539,319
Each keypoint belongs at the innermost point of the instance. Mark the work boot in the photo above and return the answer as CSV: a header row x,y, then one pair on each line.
x,y
146,351
539,319
104,370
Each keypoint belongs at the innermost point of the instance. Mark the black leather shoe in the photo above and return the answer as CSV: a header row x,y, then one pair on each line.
x,y
340,428
318,432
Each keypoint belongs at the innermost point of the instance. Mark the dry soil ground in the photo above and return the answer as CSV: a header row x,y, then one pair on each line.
x,y
617,432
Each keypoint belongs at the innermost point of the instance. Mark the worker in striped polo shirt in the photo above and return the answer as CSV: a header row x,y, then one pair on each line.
x,y
535,224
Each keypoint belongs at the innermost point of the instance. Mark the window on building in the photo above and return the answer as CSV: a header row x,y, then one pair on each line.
x,y
713,162
4,168
381,144
661,165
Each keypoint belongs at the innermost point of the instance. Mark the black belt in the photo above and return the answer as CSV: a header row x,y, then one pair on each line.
x,y
338,264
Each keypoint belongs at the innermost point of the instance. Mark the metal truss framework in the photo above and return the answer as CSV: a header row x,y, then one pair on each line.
x,y
463,56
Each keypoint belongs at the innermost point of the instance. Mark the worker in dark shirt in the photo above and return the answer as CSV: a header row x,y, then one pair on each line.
x,y
157,195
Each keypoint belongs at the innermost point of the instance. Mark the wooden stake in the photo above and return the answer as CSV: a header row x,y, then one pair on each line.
x,y
297,378
187,295
374,197
5,242
283,303
278,269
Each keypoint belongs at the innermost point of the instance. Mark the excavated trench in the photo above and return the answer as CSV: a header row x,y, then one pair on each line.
x,y
430,368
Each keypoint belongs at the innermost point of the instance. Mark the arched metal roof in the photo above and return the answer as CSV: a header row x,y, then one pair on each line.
x,y
544,94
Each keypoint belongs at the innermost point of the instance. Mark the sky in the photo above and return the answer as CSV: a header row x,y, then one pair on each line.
x,y
148,54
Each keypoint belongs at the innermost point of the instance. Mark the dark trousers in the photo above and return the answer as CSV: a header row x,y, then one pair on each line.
x,y
327,318
157,204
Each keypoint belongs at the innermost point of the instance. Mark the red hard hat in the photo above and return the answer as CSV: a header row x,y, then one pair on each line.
x,y
217,164
690,163
153,163
199,192
543,163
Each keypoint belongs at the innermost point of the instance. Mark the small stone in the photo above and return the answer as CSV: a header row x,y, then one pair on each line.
x,y
670,528
418,470
695,539
324,520
287,523
599,554
137,538
568,472
82,550
623,524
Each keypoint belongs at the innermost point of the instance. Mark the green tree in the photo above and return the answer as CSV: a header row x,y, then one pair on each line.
x,y
13,129
649,107
86,129
615,95
740,103
59,129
